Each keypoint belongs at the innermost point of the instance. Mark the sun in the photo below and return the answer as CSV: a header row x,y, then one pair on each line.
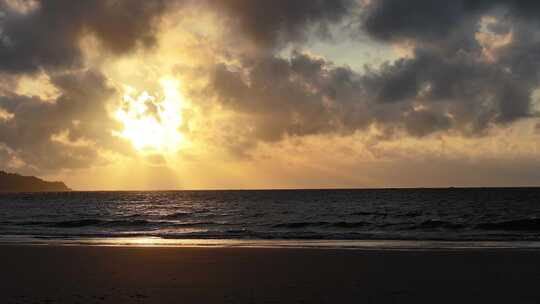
x,y
150,123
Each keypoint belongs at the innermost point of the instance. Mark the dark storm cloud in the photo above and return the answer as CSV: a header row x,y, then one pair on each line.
x,y
449,55
418,19
49,35
449,84
473,92
269,23
435,20
277,96
304,95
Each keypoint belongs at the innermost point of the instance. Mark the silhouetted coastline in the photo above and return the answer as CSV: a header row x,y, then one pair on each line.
x,y
10,182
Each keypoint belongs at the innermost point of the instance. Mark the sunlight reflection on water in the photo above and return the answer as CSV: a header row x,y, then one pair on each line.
x,y
307,244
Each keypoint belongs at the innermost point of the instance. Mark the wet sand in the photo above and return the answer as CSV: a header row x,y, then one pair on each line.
x,y
93,274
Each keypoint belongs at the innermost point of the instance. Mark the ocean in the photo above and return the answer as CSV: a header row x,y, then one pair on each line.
x,y
509,216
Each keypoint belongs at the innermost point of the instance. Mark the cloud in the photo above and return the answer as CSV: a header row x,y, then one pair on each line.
x,y
48,35
429,20
271,23
44,37
478,55
304,95
471,66
65,133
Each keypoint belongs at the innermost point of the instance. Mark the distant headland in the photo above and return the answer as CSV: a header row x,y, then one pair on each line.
x,y
10,182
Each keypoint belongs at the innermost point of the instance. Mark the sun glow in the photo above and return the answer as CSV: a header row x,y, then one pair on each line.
x,y
152,123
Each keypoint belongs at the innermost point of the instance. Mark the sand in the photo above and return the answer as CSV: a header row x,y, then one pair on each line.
x,y
93,274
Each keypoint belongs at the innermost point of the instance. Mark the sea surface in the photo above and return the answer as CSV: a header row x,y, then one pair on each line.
x,y
423,216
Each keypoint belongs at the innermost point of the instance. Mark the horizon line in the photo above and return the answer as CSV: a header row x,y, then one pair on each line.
x,y
307,189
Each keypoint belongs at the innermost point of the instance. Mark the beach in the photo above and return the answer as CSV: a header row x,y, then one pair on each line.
x,y
132,274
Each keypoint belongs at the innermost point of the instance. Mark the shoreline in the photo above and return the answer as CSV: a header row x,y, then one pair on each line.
x,y
371,245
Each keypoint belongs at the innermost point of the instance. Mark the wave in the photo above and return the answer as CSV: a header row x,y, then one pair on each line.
x,y
85,223
96,222
75,223
113,223
300,225
532,224
435,224
126,223
296,225
129,223
350,224
196,224
27,223
366,213
177,215
134,215
62,224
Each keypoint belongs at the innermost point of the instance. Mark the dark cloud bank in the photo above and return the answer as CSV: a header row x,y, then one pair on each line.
x,y
48,37
448,85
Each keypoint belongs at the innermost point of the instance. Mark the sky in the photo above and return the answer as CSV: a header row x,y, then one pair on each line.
x,y
256,94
